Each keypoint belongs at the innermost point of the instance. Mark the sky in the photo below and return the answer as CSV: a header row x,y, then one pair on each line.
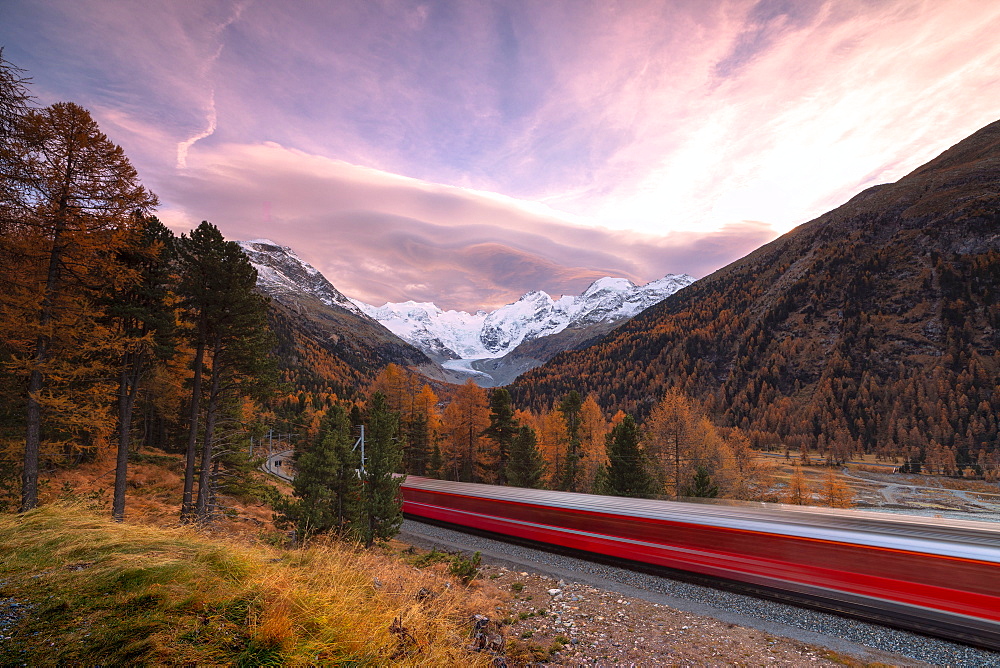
x,y
467,152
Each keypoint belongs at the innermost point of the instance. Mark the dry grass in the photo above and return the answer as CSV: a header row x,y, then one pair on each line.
x,y
131,593
153,492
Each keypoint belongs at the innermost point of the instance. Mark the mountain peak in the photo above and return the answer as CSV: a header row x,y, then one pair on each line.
x,y
262,242
609,283
280,271
460,335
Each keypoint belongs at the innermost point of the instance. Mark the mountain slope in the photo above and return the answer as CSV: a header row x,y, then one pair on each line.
x,y
875,326
323,337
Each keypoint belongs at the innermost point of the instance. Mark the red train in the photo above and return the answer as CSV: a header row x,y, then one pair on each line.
x,y
930,575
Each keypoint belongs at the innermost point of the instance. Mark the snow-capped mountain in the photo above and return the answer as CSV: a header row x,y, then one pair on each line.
x,y
281,271
444,334
461,335
490,347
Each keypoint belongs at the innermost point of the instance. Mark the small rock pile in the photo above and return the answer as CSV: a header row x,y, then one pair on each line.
x,y
12,611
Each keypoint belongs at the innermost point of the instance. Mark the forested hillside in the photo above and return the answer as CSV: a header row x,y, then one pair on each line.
x,y
874,327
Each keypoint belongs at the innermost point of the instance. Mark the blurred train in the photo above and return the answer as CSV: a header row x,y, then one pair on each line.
x,y
940,577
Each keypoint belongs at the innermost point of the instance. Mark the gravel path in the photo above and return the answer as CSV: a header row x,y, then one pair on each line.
x,y
851,637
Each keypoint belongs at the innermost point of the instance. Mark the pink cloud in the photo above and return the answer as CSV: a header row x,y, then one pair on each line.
x,y
588,137
381,237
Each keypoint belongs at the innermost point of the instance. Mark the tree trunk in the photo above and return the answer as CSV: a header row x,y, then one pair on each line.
x,y
204,479
199,359
33,436
128,384
32,443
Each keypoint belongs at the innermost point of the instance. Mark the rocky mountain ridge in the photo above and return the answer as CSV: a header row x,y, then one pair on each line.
x,y
323,338
280,271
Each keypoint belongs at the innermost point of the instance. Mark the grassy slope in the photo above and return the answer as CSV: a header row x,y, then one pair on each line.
x,y
148,591
100,592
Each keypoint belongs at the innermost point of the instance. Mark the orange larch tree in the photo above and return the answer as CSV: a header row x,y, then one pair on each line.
x,y
593,436
77,197
466,452
553,442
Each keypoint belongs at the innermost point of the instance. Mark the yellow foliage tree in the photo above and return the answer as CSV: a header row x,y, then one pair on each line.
x,y
672,435
466,454
836,493
553,441
680,439
423,432
752,479
76,199
593,434
400,388
798,493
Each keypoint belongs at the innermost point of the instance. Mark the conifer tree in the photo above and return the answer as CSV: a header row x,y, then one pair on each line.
x,y
525,467
145,326
570,408
229,328
553,443
14,99
593,432
435,464
326,484
672,440
836,493
73,199
416,453
798,490
466,457
626,473
502,430
381,507
423,432
701,486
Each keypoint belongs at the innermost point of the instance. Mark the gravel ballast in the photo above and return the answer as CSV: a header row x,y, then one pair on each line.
x,y
865,641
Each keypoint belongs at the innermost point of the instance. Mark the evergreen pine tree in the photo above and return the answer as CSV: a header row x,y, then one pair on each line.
x,y
701,485
436,462
502,430
416,452
144,320
231,330
526,466
626,473
570,408
326,484
381,506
